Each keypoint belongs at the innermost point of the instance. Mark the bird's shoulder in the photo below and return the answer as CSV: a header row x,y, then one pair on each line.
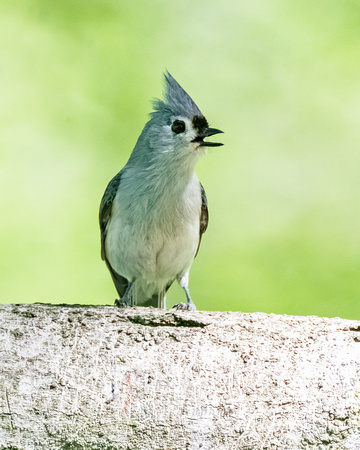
x,y
110,191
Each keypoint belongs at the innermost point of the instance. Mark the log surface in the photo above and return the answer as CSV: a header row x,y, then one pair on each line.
x,y
100,377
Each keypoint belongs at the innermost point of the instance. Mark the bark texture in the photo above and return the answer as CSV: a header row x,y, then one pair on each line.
x,y
76,377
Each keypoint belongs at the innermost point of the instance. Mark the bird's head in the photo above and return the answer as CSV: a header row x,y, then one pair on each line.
x,y
177,127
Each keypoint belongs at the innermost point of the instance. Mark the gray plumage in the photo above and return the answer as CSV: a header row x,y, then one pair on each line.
x,y
154,211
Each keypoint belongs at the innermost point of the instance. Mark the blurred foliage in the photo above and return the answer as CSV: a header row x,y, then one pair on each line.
x,y
280,78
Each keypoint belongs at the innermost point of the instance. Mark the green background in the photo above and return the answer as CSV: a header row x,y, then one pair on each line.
x,y
281,78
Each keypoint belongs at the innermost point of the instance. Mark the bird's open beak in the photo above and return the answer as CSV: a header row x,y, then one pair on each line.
x,y
208,132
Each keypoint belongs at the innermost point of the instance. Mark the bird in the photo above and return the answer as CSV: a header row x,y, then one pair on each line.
x,y
154,211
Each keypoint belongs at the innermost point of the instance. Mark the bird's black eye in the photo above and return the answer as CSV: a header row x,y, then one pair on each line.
x,y
178,126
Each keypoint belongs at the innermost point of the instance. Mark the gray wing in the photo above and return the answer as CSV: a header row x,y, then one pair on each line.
x,y
204,216
106,209
121,283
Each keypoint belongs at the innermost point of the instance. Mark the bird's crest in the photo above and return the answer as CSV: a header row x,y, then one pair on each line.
x,y
176,101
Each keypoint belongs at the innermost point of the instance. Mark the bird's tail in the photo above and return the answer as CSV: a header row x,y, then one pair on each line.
x,y
157,299
121,283
138,296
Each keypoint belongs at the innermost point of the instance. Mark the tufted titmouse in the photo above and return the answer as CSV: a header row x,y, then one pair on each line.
x,y
154,211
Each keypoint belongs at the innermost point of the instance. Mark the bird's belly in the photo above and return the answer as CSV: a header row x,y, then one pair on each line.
x,y
177,252
150,253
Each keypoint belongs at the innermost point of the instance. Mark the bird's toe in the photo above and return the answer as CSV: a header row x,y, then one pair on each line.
x,y
120,303
185,307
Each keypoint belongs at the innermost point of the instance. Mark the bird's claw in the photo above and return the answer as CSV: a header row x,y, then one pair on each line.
x,y
185,307
120,303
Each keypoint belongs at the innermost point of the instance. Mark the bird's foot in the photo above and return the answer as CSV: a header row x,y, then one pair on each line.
x,y
120,303
185,307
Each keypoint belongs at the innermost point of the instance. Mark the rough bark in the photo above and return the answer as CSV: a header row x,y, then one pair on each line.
x,y
101,377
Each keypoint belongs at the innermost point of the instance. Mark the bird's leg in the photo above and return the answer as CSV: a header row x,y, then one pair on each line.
x,y
162,299
127,299
184,282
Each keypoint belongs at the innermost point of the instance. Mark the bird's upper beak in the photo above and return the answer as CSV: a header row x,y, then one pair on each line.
x,y
206,133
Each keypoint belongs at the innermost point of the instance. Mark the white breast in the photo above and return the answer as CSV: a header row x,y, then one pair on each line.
x,y
154,241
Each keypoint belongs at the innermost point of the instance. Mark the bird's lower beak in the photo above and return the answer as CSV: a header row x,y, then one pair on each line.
x,y
208,132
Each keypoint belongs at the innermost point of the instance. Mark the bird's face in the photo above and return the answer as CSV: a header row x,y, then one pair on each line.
x,y
189,134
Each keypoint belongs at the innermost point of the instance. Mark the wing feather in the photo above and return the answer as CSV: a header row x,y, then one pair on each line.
x,y
204,216
106,209
105,212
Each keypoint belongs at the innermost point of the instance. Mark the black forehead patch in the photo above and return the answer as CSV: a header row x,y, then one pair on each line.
x,y
200,123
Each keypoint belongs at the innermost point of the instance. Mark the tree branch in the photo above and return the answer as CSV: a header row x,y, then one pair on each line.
x,y
100,377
